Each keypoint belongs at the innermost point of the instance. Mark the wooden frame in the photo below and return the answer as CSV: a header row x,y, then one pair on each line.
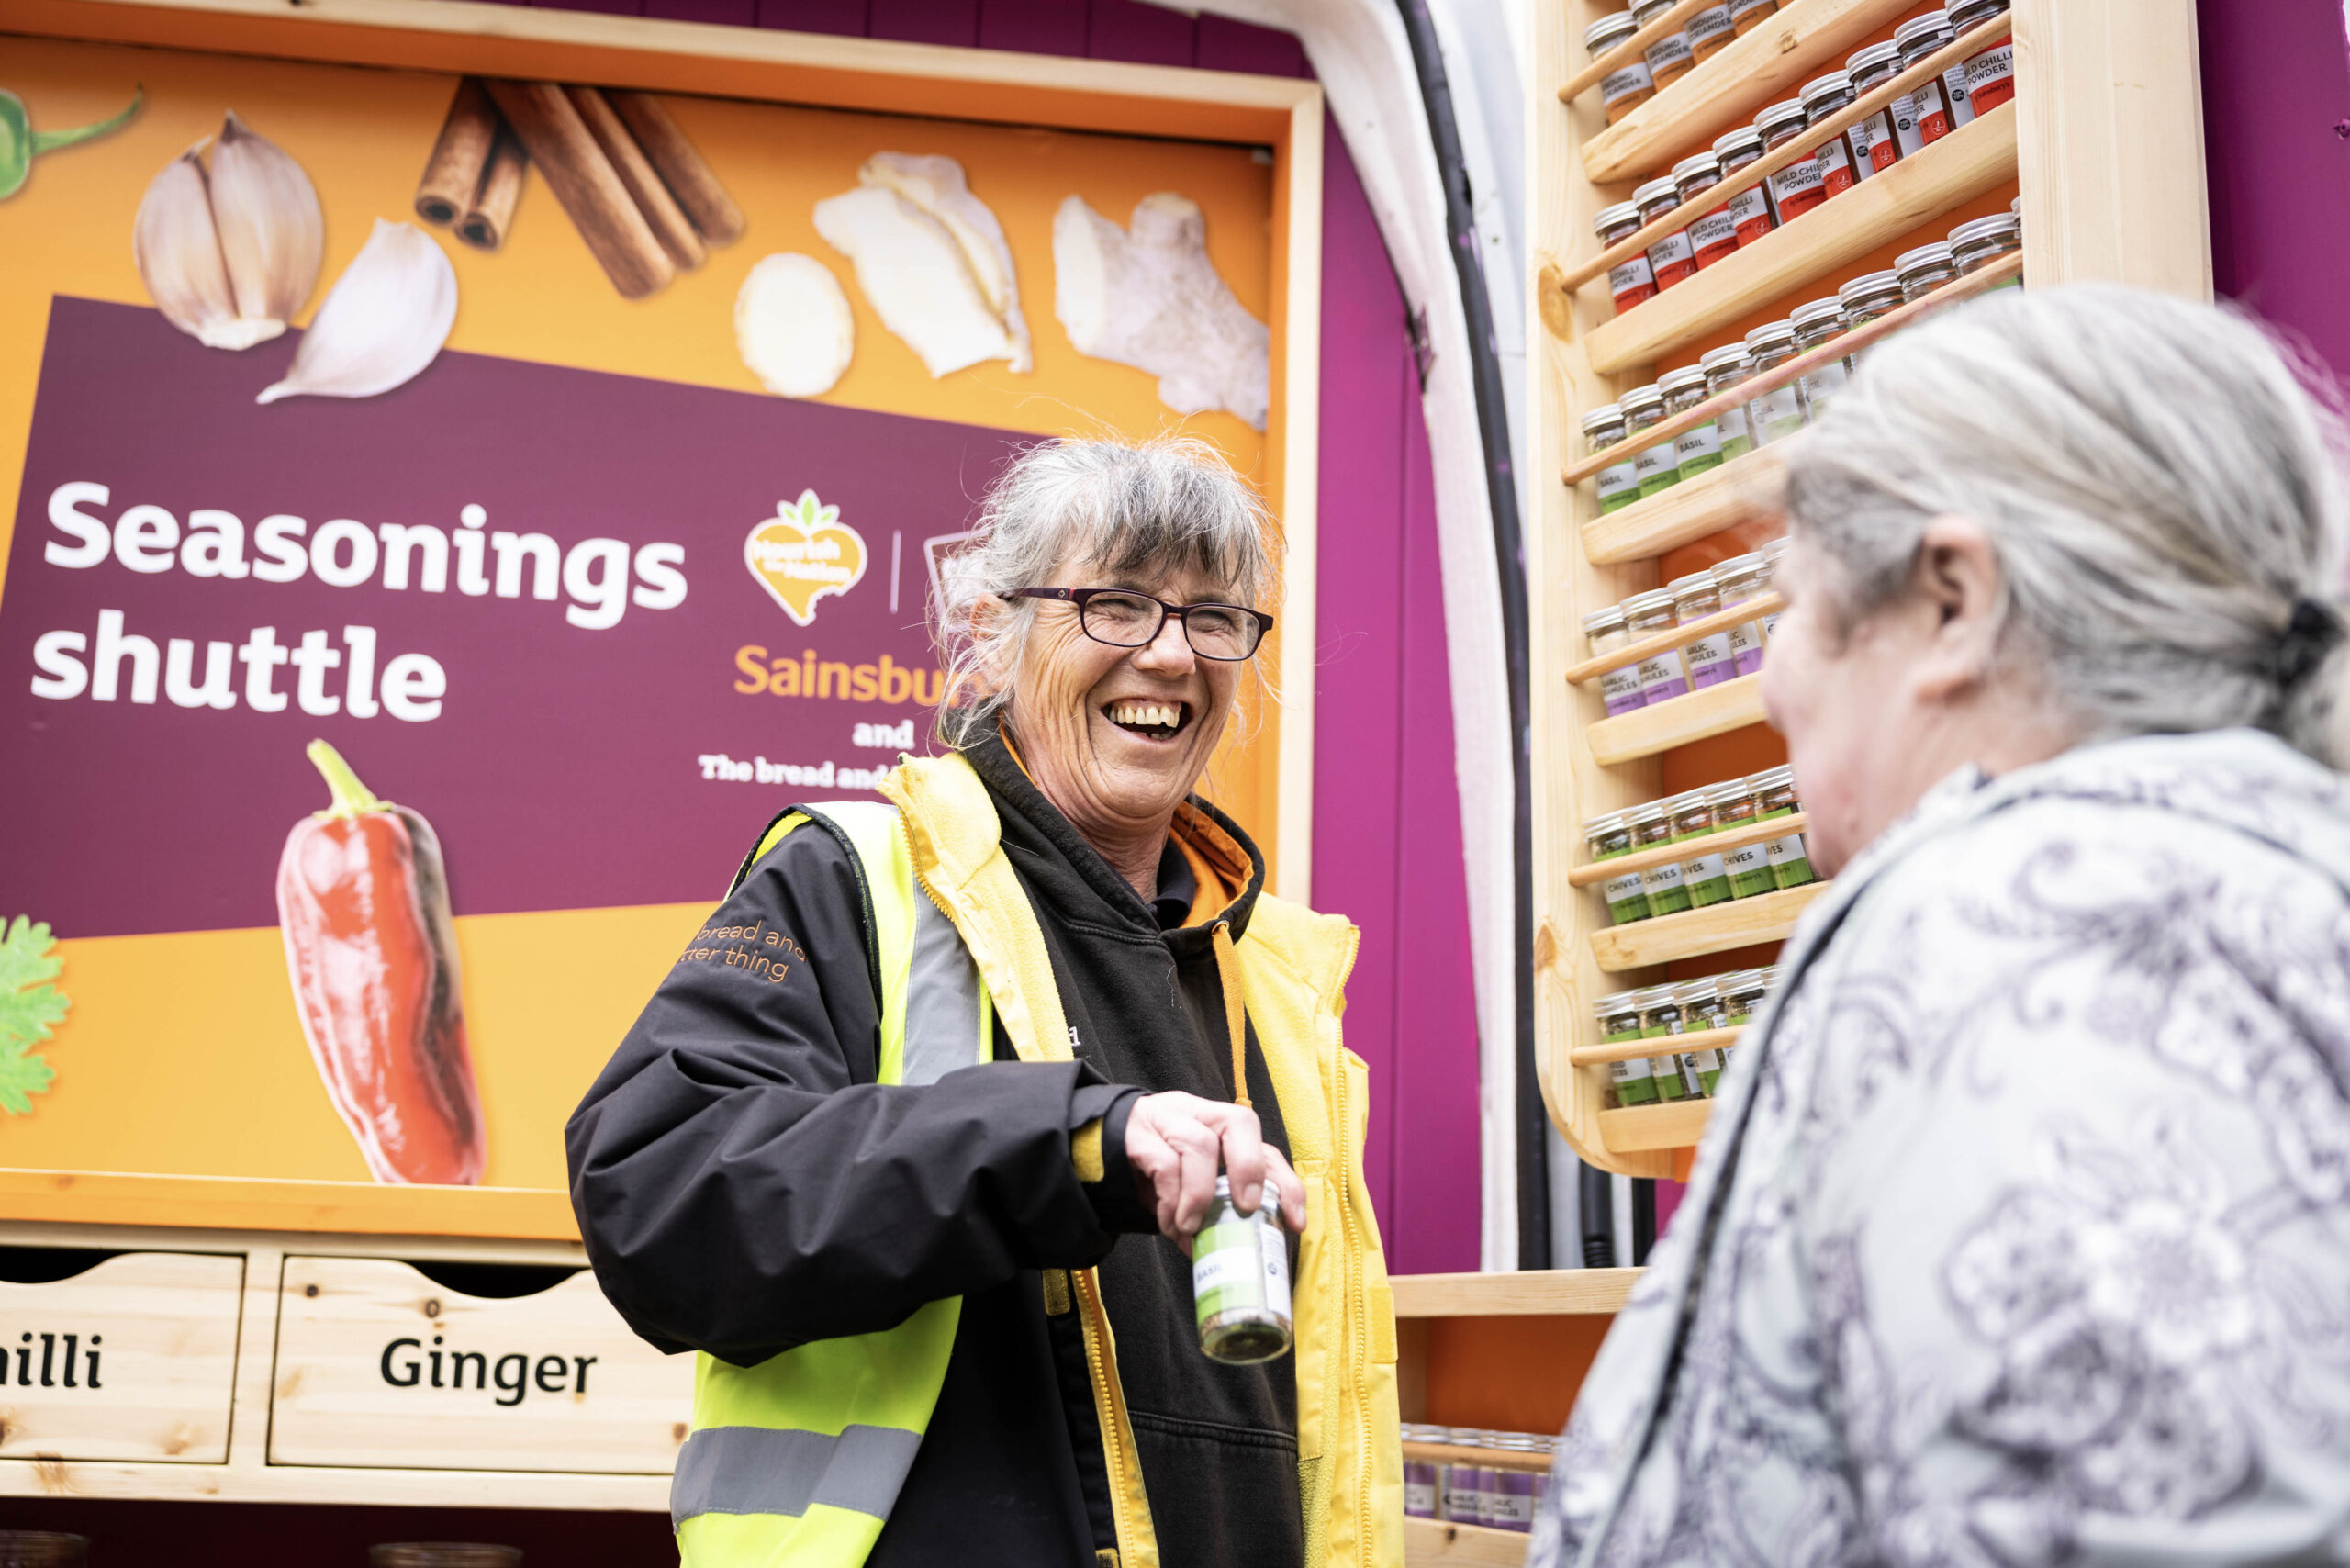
x,y
1282,114
2103,140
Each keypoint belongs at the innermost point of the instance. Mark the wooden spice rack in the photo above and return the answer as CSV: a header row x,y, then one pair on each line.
x,y
2103,144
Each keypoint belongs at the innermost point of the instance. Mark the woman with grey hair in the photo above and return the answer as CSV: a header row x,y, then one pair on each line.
x,y
914,1143
2020,1231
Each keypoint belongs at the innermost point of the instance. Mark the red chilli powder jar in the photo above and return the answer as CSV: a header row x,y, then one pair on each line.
x,y
1796,189
1628,86
1668,58
1875,141
1990,76
1715,235
1672,258
1629,281
1750,208
1940,106
1824,96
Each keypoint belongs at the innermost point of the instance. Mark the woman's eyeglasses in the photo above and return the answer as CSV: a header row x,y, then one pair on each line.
x,y
1124,619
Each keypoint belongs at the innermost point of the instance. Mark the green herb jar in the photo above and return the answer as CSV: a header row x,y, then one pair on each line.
x,y
1748,865
1618,486
1701,1010
1742,994
1240,1281
1661,1019
1650,827
1608,836
1977,244
1724,369
1699,447
1775,788
1691,816
1619,1021
1626,898
1735,804
1707,880
1655,466
1778,413
1791,861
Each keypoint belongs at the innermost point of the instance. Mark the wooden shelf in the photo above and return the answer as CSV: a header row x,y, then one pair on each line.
x,y
1637,1129
1591,873
1433,1543
1673,637
1631,48
1745,487
1644,731
1469,1453
1798,41
1534,1293
1633,1050
1975,158
1741,923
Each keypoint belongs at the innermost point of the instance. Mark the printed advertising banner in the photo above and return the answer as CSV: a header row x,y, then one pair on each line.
x,y
449,518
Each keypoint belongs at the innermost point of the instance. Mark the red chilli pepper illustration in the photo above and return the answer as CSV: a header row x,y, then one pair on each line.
x,y
362,900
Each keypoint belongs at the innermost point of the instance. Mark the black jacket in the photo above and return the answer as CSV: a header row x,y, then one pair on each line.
x,y
743,1186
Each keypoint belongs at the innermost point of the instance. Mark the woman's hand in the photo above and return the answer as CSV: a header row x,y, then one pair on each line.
x,y
1175,1144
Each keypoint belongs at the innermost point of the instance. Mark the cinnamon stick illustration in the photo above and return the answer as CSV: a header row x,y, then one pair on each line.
x,y
454,173
669,222
681,168
584,181
486,222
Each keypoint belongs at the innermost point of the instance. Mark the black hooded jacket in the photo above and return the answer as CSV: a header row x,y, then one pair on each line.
x,y
743,1186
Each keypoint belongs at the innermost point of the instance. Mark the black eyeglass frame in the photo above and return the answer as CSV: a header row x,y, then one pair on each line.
x,y
1183,613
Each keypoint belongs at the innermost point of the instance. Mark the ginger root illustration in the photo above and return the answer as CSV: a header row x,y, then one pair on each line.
x,y
932,261
793,326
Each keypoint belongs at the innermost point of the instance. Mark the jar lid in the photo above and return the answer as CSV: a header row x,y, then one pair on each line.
x,y
1713,360
1598,619
1975,13
1638,398
1729,794
1747,980
1922,259
1609,217
1869,59
1770,332
1744,139
1641,816
1738,565
1640,604
1610,31
1823,86
1998,226
1817,313
1697,163
1918,31
1598,826
1773,778
1648,11
1654,191
1776,551
1599,419
1659,998
1695,582
1687,800
2016,206
1704,990
1791,112
1687,378
1867,284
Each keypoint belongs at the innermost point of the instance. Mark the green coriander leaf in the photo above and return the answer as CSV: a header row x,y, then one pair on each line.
x,y
29,1011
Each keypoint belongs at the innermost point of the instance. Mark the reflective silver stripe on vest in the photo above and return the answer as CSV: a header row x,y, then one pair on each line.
x,y
942,999
759,1470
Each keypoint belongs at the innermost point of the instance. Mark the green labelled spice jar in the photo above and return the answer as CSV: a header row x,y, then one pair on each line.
x,y
1791,861
1699,447
1690,815
1742,994
1777,414
1627,897
1724,368
1816,325
1661,1019
1701,1010
1707,880
1775,788
1618,486
1619,1021
1608,836
1240,1281
1748,865
1655,466
1735,804
1662,884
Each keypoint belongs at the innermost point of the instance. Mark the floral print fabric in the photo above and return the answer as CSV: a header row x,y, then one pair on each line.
x,y
2021,1233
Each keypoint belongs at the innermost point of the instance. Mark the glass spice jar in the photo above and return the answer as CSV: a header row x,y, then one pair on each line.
x,y
1626,896
1712,235
1816,325
1630,280
1774,557
1607,837
1735,805
1661,1020
1690,815
1742,577
1654,466
1699,447
1823,98
1990,76
1710,31
1724,368
1463,1486
1650,829
1701,1011
1923,270
1743,992
1619,688
1775,788
1778,413
1707,880
1938,105
1630,84
1864,299
1875,141
1696,597
1619,486
1798,188
1668,58
1619,1023
1672,258
1791,861
1749,210
1745,15
1662,676
1748,865
1419,1477
1977,244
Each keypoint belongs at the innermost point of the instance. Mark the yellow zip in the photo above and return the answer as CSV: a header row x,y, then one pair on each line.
x,y
1358,1304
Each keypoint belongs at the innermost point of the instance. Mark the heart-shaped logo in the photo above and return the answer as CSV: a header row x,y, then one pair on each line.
x,y
803,552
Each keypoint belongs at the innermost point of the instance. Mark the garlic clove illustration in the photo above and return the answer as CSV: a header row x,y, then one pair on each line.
x,y
914,275
273,234
383,321
793,326
1151,299
230,254
938,186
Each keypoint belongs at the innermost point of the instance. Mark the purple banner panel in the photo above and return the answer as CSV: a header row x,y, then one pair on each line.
x,y
596,629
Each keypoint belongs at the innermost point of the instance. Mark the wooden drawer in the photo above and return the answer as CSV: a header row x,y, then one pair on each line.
x,y
133,1357
378,1365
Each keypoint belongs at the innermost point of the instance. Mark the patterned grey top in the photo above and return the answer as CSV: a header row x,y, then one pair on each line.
x,y
2021,1233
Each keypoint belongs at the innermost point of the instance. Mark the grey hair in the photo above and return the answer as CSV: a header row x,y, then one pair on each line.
x,y
1170,504
2161,480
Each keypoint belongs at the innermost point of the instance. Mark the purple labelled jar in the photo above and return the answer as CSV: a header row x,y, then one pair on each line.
x,y
1618,689
1695,597
1662,675
1740,579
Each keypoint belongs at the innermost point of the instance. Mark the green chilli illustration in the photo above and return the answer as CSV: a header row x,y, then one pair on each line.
x,y
21,144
